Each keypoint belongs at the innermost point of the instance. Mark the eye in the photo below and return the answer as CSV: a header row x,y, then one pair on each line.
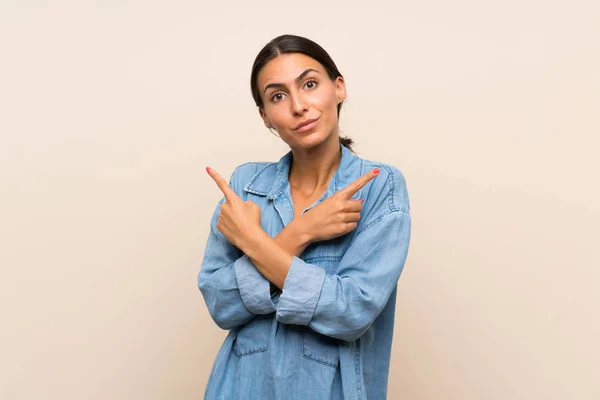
x,y
280,93
311,81
276,94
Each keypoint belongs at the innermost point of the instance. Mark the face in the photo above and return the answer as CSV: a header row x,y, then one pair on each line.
x,y
296,88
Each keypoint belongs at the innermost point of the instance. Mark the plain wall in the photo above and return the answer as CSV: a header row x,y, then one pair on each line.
x,y
111,110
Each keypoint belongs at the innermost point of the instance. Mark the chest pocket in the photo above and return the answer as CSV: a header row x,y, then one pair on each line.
x,y
320,348
328,253
253,336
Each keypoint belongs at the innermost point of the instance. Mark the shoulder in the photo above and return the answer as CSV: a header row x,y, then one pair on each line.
x,y
244,173
388,192
248,169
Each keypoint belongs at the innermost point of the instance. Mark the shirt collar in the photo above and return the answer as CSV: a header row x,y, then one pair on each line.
x,y
271,179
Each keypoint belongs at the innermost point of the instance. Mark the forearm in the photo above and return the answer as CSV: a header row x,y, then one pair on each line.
x,y
293,238
273,256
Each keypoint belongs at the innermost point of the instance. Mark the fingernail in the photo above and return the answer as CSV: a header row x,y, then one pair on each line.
x,y
375,171
208,169
361,200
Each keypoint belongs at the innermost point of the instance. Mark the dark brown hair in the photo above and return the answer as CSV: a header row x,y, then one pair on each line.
x,y
295,44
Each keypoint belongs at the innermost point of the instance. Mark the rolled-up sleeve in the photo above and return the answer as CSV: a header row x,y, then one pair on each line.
x,y
255,289
301,290
345,304
233,289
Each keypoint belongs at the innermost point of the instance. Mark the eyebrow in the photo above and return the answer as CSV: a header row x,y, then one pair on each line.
x,y
298,79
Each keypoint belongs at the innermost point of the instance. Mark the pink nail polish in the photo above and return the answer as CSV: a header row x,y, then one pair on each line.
x,y
208,169
375,171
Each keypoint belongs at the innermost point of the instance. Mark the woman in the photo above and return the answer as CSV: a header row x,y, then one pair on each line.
x,y
304,254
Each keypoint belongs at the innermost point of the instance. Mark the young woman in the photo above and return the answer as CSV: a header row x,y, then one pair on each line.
x,y
304,254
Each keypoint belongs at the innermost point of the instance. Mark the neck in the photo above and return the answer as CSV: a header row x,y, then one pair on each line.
x,y
312,169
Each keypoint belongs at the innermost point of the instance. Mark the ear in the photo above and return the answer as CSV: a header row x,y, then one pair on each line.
x,y
263,115
340,89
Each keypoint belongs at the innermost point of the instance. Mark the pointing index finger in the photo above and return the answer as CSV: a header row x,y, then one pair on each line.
x,y
355,186
221,183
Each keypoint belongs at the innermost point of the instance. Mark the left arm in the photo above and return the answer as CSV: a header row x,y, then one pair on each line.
x,y
345,304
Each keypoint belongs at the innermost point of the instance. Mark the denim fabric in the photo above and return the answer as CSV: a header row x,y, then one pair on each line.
x,y
328,333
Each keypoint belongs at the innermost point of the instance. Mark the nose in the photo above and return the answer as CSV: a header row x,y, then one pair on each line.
x,y
298,103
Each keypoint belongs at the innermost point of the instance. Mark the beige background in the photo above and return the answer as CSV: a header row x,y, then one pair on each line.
x,y
110,110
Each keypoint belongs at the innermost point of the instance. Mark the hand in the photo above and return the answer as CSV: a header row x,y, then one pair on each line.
x,y
239,220
336,215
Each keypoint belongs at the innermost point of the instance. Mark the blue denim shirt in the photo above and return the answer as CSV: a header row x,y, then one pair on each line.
x,y
328,333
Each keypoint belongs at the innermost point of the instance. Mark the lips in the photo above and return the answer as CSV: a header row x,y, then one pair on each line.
x,y
304,123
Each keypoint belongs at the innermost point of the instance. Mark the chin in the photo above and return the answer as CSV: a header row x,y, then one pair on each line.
x,y
311,139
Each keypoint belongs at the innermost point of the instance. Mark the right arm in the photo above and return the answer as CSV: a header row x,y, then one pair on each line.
x,y
234,292
233,289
